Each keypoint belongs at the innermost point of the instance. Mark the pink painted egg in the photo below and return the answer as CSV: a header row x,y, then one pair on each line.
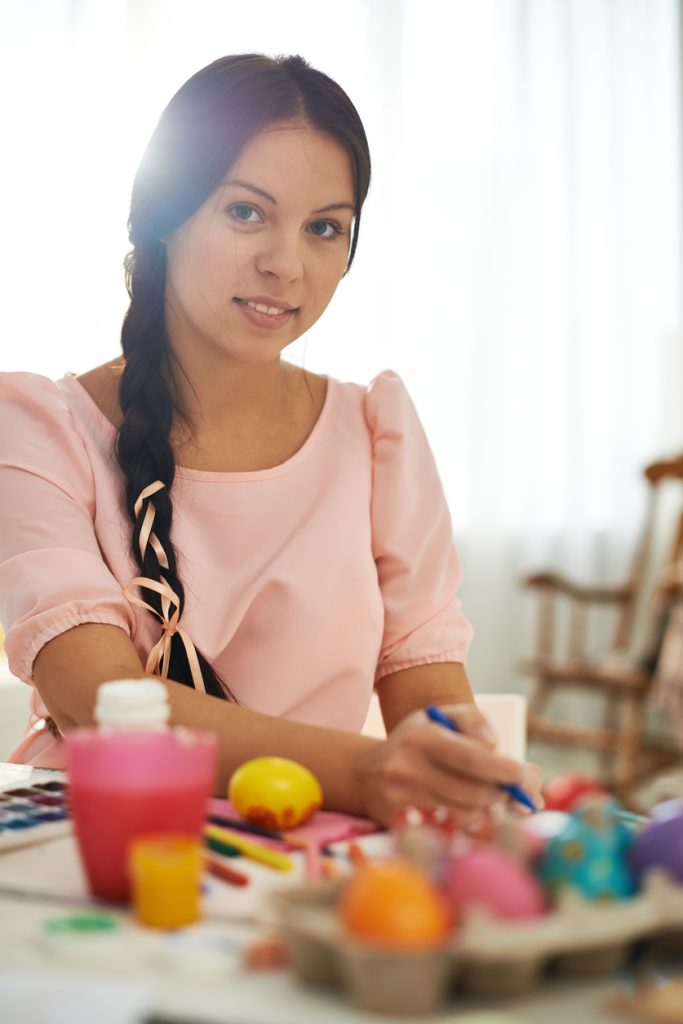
x,y
486,876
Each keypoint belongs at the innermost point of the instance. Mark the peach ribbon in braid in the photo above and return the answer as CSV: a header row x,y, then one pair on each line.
x,y
146,535
160,655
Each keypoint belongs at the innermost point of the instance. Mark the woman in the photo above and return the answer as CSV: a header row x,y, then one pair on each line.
x,y
271,541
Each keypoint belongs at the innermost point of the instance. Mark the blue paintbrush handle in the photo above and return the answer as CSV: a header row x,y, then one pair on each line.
x,y
516,792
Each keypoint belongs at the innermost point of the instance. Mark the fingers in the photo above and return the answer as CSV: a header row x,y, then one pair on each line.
x,y
532,783
465,795
464,755
440,786
427,785
424,763
470,722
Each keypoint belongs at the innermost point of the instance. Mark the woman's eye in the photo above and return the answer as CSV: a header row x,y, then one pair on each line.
x,y
325,228
245,213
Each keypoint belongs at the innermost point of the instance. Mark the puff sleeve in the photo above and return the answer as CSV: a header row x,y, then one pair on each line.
x,y
52,572
413,548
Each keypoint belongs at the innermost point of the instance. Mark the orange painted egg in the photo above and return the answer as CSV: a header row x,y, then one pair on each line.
x,y
275,792
394,904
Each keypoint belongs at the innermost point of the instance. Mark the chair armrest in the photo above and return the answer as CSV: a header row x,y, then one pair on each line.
x,y
578,592
671,581
665,467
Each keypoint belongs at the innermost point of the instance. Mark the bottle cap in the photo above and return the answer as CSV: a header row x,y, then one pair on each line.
x,y
128,705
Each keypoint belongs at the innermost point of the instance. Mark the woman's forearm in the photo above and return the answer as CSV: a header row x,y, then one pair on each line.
x,y
418,763
69,669
333,755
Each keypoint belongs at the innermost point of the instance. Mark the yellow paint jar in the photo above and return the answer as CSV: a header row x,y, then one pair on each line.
x,y
166,876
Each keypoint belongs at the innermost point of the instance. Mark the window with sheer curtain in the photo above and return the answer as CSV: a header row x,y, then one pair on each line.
x,y
520,258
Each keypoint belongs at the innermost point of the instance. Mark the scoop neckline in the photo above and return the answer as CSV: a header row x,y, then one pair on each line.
x,y
321,426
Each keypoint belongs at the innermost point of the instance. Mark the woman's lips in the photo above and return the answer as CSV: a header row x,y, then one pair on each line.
x,y
265,314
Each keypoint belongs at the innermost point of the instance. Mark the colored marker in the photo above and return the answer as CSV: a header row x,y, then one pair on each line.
x,y
257,830
226,873
225,849
516,792
249,848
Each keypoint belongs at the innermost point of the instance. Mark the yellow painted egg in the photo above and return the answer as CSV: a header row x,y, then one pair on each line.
x,y
275,792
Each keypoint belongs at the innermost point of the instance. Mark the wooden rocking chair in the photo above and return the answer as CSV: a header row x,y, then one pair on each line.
x,y
624,674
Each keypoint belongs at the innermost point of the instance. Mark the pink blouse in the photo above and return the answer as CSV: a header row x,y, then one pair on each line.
x,y
305,583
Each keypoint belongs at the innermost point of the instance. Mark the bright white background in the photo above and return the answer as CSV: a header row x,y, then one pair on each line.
x,y
520,257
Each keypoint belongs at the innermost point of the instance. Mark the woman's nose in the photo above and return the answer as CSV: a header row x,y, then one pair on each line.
x,y
281,258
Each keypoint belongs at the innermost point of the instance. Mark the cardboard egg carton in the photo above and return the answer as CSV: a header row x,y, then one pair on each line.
x,y
484,956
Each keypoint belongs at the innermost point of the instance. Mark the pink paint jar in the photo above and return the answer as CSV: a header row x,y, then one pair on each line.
x,y
129,784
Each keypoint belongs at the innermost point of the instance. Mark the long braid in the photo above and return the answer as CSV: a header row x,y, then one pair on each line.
x,y
143,447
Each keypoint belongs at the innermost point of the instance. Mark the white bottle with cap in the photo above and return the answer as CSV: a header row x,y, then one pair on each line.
x,y
132,705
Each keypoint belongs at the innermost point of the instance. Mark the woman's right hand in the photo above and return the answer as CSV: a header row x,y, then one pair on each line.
x,y
422,763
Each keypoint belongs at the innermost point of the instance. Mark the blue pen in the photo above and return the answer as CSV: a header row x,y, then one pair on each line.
x,y
516,792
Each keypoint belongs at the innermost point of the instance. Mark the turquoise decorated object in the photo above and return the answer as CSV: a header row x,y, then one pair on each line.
x,y
590,855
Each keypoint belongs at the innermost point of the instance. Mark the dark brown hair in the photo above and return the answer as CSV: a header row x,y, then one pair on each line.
x,y
198,138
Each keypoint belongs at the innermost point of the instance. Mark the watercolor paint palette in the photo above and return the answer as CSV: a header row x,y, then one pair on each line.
x,y
33,808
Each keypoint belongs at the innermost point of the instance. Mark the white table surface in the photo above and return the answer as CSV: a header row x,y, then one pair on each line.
x,y
143,977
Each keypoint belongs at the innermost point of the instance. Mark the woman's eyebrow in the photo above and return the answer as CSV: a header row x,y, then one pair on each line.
x,y
252,188
336,206
240,183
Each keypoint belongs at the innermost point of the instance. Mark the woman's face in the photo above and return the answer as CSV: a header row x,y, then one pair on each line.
x,y
259,261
